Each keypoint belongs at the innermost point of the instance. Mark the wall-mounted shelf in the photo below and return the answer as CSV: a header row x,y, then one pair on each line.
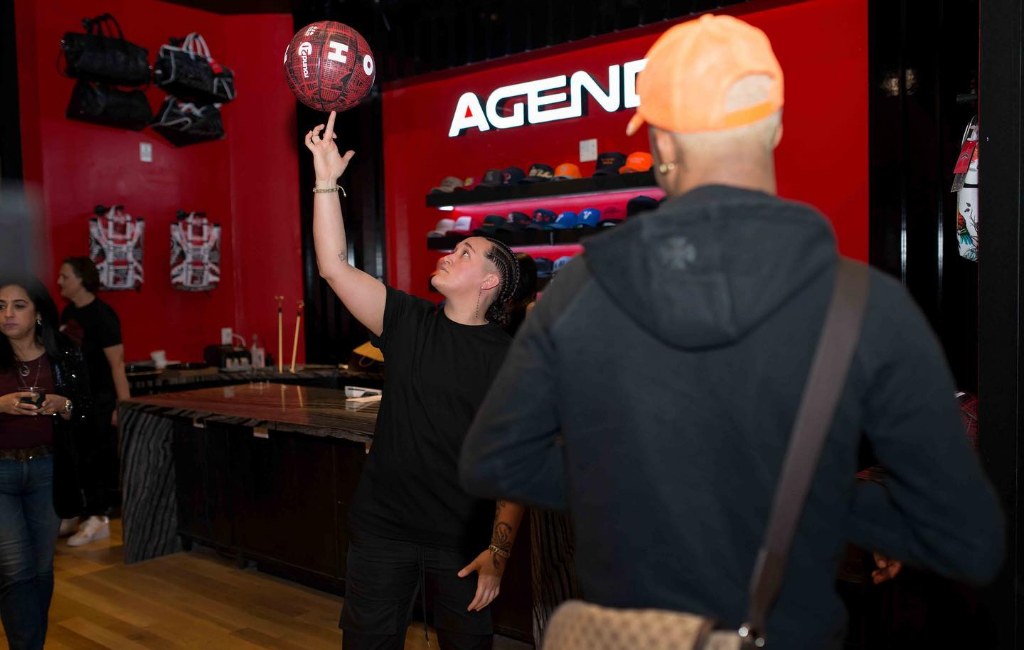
x,y
517,240
542,190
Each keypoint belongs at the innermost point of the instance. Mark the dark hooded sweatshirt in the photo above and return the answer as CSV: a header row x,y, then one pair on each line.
x,y
652,392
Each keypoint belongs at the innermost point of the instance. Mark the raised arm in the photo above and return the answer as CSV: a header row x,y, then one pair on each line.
x,y
361,293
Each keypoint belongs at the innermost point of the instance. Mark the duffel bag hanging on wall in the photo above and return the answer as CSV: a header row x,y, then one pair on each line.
x,y
191,73
101,55
183,123
115,247
99,104
195,252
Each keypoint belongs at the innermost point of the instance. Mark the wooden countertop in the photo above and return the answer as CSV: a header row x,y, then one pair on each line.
x,y
283,407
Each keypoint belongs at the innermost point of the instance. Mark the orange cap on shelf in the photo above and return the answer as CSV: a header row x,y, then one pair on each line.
x,y
638,161
567,170
690,70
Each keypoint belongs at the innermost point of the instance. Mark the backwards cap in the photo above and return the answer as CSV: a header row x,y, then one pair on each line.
x,y
692,67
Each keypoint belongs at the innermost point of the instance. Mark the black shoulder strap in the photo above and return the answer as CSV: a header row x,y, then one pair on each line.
x,y
825,384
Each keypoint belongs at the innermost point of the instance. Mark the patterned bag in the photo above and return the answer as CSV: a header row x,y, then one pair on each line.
x,y
195,252
967,202
115,246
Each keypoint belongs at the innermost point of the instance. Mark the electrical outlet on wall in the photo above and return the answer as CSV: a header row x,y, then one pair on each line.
x,y
145,152
588,150
225,335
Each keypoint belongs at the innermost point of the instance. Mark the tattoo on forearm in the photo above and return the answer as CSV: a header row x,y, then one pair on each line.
x,y
501,536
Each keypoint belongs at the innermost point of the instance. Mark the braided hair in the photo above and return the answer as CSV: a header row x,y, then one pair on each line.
x,y
508,268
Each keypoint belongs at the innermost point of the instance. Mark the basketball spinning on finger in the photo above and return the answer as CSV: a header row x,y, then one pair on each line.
x,y
329,66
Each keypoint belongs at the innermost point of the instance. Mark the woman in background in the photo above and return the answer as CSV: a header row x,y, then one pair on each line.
x,y
43,405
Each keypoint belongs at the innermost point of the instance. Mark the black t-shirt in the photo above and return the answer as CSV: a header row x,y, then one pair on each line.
x,y
93,328
437,373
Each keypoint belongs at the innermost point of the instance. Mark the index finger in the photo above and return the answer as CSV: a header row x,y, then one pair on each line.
x,y
330,126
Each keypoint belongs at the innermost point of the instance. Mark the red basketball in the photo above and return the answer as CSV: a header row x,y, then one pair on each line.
x,y
329,66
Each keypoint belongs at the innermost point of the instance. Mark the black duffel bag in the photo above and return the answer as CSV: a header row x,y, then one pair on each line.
x,y
99,104
184,123
190,73
100,55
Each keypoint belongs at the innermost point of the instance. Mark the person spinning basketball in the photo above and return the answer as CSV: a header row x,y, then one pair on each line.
x,y
409,517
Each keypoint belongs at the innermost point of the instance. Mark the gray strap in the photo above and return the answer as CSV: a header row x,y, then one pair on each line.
x,y
825,384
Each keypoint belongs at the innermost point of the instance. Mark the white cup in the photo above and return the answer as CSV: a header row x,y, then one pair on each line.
x,y
159,358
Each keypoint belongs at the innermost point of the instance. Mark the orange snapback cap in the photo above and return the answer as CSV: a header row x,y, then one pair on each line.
x,y
691,68
638,161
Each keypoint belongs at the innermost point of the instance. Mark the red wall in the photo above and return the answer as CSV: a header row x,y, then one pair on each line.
x,y
823,159
247,182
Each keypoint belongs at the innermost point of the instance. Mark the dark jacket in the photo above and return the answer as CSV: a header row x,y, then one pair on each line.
x,y
71,380
671,358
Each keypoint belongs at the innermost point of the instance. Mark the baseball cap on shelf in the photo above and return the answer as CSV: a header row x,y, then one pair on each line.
x,y
542,219
465,225
589,218
538,173
565,171
608,164
567,219
449,184
492,178
612,216
639,204
560,262
544,267
692,69
516,222
443,227
468,183
491,224
512,176
638,161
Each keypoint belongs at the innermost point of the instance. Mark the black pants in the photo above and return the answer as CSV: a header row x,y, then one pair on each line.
x,y
99,467
381,584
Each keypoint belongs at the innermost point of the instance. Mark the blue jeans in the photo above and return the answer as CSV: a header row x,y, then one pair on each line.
x,y
28,537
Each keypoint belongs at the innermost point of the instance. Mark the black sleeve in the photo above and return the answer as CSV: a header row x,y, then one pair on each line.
x,y
512,450
108,329
936,508
402,314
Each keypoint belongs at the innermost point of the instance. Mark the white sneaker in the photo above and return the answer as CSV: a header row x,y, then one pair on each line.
x,y
94,528
68,527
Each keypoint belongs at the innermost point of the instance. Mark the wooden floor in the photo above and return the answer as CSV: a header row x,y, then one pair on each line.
x,y
189,601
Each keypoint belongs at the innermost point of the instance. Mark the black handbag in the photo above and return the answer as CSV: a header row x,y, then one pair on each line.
x,y
100,104
100,55
183,123
190,73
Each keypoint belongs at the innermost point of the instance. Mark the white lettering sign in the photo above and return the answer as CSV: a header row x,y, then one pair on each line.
x,y
505,105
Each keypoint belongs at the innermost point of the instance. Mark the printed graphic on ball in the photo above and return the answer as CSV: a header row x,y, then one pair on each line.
x,y
329,66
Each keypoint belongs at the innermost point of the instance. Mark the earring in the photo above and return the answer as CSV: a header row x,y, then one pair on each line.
x,y
665,168
39,322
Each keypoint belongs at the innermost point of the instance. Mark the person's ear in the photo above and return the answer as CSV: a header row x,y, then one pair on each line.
x,y
491,280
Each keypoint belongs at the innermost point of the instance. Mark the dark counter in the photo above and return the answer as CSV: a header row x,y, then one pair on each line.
x,y
264,472
299,409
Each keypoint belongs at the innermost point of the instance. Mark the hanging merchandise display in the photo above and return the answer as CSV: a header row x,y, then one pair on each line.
x,y
965,184
99,104
103,55
184,123
115,246
185,69
195,252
